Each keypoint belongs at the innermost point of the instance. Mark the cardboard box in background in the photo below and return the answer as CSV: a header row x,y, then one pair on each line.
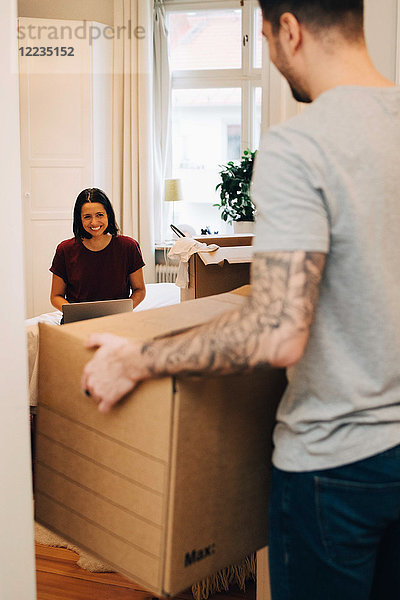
x,y
172,485
218,272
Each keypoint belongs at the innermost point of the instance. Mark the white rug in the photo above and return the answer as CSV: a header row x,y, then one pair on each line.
x,y
86,561
221,581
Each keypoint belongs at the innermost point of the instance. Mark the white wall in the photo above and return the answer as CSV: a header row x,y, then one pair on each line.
x,y
381,34
17,568
78,10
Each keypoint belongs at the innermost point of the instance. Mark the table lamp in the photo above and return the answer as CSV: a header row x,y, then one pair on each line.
x,y
173,193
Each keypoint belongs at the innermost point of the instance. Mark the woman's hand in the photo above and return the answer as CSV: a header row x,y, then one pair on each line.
x,y
116,369
57,294
138,287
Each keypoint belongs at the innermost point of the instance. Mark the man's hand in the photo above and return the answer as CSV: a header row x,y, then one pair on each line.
x,y
115,369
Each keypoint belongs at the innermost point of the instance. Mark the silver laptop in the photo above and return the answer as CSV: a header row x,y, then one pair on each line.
x,y
79,311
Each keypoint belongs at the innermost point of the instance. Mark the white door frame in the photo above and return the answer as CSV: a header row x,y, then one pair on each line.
x,y
17,564
398,44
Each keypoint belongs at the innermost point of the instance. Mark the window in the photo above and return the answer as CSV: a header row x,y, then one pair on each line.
x,y
215,55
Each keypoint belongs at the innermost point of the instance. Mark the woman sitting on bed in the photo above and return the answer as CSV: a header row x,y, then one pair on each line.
x,y
97,264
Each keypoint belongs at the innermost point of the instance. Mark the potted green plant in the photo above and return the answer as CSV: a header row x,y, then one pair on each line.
x,y
234,193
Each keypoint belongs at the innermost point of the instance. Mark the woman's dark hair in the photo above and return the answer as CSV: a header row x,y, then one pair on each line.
x,y
348,15
93,195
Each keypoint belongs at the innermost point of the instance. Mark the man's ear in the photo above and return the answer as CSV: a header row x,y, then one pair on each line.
x,y
290,33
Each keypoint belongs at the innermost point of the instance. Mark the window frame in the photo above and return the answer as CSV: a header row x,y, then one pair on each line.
x,y
247,78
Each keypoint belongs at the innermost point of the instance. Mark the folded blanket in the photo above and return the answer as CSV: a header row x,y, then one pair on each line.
x,y
32,339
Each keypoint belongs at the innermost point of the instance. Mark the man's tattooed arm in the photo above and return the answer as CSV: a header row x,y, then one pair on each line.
x,y
272,326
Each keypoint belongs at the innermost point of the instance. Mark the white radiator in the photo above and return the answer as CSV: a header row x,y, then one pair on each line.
x,y
166,273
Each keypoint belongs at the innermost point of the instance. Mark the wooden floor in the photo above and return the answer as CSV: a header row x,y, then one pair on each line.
x,y
60,578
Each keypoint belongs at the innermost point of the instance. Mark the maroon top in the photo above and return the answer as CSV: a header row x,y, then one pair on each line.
x,y
102,275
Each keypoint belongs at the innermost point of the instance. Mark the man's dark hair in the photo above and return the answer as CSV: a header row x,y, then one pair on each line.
x,y
347,15
93,195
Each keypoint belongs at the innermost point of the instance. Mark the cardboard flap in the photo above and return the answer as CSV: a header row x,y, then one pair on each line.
x,y
237,239
245,290
232,255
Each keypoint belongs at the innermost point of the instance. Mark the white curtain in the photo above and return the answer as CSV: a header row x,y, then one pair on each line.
x,y
162,106
140,121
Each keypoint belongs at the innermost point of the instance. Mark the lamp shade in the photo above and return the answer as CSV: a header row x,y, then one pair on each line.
x,y
173,190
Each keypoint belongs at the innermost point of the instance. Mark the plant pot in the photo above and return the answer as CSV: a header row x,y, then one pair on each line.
x,y
243,226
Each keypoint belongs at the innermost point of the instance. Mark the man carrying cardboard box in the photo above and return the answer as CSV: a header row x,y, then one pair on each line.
x,y
327,191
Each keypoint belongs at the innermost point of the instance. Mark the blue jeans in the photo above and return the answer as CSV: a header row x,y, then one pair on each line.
x,y
335,534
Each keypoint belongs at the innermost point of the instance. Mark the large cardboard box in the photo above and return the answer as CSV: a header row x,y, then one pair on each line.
x,y
172,485
218,272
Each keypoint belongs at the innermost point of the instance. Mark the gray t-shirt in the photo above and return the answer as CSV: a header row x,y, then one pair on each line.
x,y
328,181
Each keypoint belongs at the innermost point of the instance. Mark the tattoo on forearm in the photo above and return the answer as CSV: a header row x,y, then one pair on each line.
x,y
280,308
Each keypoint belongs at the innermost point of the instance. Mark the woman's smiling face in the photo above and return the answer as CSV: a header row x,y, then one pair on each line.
x,y
94,218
